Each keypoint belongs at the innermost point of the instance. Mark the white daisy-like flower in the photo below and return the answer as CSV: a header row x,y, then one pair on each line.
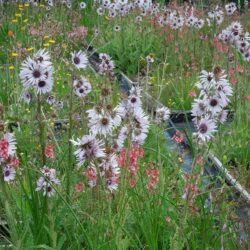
x,y
150,59
214,104
199,23
134,102
102,125
138,138
110,165
224,90
42,57
247,56
51,99
162,115
83,5
93,113
117,28
9,173
50,174
100,11
141,120
58,104
190,22
112,13
46,181
27,97
206,79
121,138
117,114
50,2
206,127
242,44
106,3
222,116
198,107
44,86
112,183
138,19
79,59
89,148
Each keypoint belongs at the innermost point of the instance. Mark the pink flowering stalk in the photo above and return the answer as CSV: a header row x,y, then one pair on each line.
x,y
192,181
78,33
153,177
128,159
49,151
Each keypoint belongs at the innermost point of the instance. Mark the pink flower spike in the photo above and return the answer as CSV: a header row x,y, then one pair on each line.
x,y
239,68
231,72
49,151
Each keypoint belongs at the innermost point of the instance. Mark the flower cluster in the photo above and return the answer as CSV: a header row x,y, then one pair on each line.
x,y
46,182
208,108
137,122
235,36
153,175
8,158
109,128
215,16
164,17
81,86
129,158
178,137
106,66
37,72
230,8
108,170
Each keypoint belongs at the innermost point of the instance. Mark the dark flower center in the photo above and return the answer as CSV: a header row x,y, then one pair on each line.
x,y
7,173
87,146
213,102
209,78
81,91
76,60
203,128
105,121
109,107
41,84
133,99
36,73
40,59
49,189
